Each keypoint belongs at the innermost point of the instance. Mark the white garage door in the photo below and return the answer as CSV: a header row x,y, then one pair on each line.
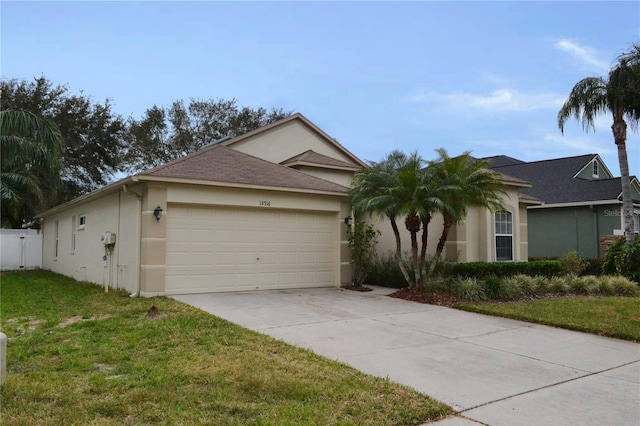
x,y
228,249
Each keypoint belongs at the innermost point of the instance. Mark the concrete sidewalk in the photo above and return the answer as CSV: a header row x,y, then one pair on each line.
x,y
492,370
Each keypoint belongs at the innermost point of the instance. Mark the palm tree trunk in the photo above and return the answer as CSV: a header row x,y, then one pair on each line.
x,y
448,223
396,234
425,239
619,129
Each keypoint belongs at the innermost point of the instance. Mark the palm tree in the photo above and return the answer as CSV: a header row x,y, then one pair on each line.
x,y
399,186
465,182
29,168
619,95
370,194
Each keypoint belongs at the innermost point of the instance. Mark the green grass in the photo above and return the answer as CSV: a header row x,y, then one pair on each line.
x,y
607,316
112,364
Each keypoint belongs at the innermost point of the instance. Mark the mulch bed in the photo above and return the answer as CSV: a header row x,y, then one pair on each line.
x,y
421,295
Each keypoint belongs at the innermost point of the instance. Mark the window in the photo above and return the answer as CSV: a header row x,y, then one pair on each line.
x,y
504,236
636,223
82,221
73,234
55,240
595,168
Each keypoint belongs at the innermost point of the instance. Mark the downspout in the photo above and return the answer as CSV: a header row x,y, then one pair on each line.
x,y
138,197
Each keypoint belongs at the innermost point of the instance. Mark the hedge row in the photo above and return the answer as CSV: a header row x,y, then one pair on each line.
x,y
546,268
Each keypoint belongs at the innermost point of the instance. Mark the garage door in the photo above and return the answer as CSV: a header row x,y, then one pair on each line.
x,y
226,249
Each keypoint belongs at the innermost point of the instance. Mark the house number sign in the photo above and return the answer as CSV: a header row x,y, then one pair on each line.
x,y
265,203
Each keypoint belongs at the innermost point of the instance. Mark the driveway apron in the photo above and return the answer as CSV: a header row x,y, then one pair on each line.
x,y
491,370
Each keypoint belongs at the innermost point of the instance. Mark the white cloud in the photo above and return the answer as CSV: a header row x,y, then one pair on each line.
x,y
585,54
499,100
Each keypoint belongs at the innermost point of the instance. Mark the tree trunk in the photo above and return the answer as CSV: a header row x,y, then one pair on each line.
x,y
425,238
425,242
619,129
396,234
448,223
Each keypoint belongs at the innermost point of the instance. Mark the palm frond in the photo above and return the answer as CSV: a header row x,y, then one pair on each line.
x,y
587,99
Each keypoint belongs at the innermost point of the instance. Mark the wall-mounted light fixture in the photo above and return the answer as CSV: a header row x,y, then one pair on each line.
x,y
157,212
348,221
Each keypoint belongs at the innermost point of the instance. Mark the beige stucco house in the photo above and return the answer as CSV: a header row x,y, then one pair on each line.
x,y
264,210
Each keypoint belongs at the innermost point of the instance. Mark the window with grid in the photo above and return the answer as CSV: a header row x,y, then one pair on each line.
x,y
595,169
504,236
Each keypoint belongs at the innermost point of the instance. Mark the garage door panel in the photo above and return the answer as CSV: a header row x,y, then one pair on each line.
x,y
225,249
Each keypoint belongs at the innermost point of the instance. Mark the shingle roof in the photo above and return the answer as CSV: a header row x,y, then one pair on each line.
x,y
313,158
218,163
553,180
502,160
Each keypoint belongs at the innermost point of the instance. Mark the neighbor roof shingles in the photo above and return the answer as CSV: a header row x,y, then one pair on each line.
x,y
221,164
554,183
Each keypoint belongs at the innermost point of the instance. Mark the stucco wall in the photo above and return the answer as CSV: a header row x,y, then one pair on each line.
x,y
116,213
341,177
287,141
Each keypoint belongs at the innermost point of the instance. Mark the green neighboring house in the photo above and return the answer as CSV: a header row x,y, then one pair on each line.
x,y
582,202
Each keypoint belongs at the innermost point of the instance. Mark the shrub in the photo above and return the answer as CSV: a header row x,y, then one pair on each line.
x,y
362,243
582,285
622,286
558,285
468,289
386,272
604,286
548,268
524,284
622,259
497,288
439,284
572,264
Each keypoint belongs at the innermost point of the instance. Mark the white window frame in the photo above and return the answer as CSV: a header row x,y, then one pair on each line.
x,y
74,220
82,221
636,222
499,232
56,239
595,169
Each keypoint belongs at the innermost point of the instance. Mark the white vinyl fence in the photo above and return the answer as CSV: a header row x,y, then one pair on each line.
x,y
20,249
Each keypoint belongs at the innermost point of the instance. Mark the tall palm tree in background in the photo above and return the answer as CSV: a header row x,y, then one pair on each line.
x,y
620,95
466,182
29,167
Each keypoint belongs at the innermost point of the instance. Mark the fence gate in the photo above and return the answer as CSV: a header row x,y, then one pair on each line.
x,y
20,249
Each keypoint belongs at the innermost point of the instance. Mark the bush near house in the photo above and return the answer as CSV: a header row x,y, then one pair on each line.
x,y
623,259
385,271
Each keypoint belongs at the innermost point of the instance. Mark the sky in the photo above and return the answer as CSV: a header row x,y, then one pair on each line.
x,y
485,77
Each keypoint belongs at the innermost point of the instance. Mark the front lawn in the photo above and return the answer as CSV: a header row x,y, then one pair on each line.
x,y
607,316
79,356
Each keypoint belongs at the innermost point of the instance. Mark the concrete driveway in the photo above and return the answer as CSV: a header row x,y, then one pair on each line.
x,y
493,371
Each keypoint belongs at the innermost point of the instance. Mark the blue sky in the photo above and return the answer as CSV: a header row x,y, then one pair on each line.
x,y
488,77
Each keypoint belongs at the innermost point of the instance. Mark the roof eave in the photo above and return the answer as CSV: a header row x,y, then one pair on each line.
x,y
105,190
240,185
320,166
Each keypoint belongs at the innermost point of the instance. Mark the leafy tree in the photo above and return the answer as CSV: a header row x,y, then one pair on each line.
x,y
93,134
164,134
619,95
29,166
464,182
